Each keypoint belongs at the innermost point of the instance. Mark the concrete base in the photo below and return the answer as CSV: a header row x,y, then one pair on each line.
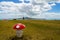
x,y
19,33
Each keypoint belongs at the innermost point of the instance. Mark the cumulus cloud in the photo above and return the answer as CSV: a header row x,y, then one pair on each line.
x,y
41,1
48,15
15,9
33,9
52,15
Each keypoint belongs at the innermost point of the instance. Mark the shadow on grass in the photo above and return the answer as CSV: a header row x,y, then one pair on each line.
x,y
24,37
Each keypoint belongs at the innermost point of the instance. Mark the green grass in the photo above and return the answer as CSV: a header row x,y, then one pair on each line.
x,y
35,29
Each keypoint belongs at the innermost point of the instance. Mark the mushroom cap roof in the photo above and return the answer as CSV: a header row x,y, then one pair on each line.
x,y
19,26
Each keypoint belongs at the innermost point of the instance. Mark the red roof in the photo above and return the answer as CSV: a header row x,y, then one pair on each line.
x,y
19,26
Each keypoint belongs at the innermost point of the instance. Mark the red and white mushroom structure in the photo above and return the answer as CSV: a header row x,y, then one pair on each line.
x,y
19,26
19,29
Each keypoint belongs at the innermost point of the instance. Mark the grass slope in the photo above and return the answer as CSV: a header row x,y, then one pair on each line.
x,y
35,29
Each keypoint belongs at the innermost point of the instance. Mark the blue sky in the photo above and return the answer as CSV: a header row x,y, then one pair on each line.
x,y
16,1
34,9
55,8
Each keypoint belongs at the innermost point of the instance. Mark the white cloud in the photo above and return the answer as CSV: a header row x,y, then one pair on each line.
x,y
48,16
42,1
11,9
53,4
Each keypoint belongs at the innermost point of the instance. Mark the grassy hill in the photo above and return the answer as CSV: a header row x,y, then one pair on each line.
x,y
35,29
